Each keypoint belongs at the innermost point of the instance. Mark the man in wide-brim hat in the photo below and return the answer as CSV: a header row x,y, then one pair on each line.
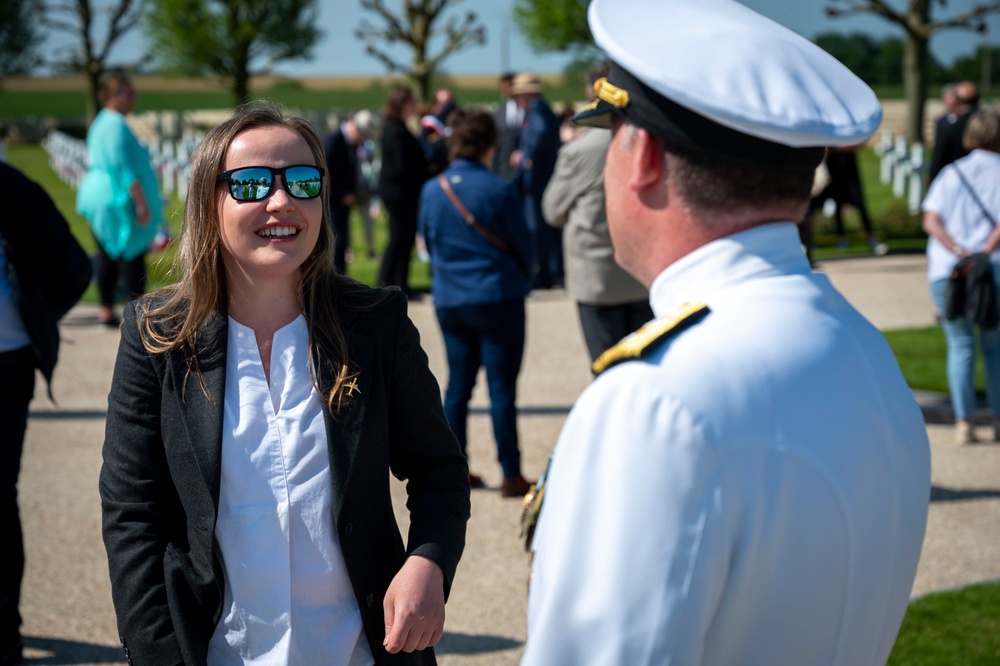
x,y
533,163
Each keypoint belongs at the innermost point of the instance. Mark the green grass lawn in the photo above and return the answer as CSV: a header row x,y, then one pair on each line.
x,y
957,628
292,94
921,354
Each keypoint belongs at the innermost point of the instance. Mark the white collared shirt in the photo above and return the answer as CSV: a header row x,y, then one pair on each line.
x,y
754,490
288,598
963,218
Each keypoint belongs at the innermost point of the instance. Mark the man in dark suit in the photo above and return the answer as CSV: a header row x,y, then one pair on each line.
x,y
962,101
43,272
509,117
533,163
341,149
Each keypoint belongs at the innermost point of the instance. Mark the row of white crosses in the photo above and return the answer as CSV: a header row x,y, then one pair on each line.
x,y
171,160
903,166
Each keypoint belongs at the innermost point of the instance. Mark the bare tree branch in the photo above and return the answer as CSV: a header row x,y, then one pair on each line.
x,y
970,20
415,27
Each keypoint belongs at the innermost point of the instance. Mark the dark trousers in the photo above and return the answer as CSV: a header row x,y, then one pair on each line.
x,y
341,216
18,371
108,271
605,325
547,245
395,269
491,336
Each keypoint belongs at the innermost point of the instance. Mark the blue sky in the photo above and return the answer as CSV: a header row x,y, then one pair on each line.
x,y
339,53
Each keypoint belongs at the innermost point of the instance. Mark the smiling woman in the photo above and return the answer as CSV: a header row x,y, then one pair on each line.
x,y
248,516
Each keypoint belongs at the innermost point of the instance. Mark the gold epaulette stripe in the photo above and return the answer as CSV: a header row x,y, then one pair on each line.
x,y
636,344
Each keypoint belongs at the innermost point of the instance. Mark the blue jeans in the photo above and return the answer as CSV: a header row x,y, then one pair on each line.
x,y
962,359
491,336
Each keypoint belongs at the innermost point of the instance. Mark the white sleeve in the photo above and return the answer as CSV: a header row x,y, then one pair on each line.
x,y
940,191
632,548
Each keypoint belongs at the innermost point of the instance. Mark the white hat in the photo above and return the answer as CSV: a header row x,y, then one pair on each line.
x,y
526,84
715,76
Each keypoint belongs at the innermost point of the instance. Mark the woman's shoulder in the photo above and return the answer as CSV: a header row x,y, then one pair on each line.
x,y
357,297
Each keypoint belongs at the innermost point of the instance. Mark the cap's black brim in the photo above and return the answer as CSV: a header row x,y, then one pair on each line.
x,y
597,114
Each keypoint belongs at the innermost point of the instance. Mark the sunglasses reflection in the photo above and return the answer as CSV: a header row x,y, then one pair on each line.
x,y
256,183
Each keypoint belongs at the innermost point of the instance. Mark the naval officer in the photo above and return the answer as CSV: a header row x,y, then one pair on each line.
x,y
747,480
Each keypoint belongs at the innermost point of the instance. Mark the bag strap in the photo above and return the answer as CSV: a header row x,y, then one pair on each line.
x,y
979,202
469,218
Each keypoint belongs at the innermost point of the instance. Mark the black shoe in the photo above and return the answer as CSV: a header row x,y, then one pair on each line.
x,y
12,655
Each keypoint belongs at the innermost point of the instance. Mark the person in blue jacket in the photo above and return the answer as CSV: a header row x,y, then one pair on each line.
x,y
480,249
534,161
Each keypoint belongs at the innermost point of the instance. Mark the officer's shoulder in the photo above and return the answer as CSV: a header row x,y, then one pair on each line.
x,y
647,338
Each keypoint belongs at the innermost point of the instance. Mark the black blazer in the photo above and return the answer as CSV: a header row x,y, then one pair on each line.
x,y
948,145
404,167
160,480
342,167
47,269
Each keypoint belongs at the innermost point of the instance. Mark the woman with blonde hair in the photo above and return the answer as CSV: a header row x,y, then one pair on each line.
x,y
257,408
961,211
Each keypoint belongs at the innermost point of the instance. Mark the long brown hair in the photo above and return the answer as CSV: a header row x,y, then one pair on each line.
x,y
172,321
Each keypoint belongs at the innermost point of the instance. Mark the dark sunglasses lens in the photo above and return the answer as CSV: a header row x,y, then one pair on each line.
x,y
251,184
304,182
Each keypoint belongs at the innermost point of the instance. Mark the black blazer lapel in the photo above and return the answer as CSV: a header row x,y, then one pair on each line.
x,y
201,415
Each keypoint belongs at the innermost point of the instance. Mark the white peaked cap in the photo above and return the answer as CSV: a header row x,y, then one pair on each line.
x,y
732,67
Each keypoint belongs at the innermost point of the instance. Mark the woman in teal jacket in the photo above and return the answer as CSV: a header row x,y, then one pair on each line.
x,y
120,197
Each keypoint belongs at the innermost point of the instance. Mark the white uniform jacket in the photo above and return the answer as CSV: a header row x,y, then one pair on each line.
x,y
753,490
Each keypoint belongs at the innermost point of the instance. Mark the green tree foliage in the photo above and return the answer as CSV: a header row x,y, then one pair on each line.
x,y
980,66
233,39
96,27
918,25
415,27
18,37
554,25
875,61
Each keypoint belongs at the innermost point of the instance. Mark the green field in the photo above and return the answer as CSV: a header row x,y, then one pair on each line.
x,y
15,103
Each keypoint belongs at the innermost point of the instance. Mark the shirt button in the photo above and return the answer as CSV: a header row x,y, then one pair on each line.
x,y
370,600
348,529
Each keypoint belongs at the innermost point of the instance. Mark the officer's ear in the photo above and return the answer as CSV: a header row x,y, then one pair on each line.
x,y
649,165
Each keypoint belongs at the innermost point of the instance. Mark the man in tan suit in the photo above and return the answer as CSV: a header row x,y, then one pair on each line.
x,y
611,302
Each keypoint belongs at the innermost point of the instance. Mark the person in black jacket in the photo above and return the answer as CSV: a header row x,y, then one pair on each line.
x,y
950,128
43,272
404,170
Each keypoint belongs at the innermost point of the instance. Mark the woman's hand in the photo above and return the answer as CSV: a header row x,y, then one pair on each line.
x,y
414,606
142,215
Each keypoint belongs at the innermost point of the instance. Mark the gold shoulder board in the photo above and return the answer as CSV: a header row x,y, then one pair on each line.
x,y
636,344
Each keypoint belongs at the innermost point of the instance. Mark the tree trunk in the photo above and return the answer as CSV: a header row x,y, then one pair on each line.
x,y
423,81
241,82
94,72
915,84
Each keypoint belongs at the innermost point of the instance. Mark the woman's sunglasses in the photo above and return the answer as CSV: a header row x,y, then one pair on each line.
x,y
255,183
